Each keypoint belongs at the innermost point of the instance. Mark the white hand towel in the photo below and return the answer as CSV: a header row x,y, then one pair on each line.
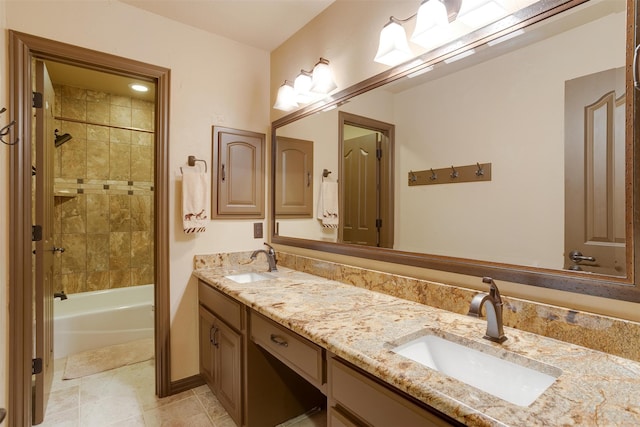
x,y
328,204
195,200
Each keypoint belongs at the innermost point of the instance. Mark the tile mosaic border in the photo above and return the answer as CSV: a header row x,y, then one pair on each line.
x,y
69,187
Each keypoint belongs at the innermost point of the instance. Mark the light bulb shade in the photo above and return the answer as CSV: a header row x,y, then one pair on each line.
x,y
302,85
286,99
322,78
432,24
393,48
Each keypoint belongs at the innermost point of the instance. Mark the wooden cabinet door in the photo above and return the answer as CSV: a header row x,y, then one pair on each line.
x,y
238,176
220,362
294,178
229,376
207,360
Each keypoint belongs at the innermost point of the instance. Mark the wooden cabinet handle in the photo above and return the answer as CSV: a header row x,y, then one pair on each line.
x,y
279,340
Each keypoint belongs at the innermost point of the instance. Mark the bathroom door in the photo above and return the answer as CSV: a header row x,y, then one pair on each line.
x,y
44,215
360,191
595,173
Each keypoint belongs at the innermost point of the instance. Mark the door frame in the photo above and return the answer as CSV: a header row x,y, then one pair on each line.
x,y
22,48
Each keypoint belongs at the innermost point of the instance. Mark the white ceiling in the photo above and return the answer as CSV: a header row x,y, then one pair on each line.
x,y
264,24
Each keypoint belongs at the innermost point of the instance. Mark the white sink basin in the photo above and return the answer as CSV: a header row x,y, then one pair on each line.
x,y
249,277
509,380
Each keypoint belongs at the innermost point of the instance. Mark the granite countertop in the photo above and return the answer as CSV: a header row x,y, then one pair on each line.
x,y
360,326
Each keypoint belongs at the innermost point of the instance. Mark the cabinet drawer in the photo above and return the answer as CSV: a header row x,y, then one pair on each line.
x,y
224,307
373,403
300,354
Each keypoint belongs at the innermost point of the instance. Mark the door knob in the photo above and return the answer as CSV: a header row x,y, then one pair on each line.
x,y
576,256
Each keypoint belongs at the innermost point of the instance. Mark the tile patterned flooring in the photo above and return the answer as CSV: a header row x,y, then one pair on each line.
x,y
125,397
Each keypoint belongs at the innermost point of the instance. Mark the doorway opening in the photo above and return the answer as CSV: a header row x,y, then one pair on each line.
x,y
366,188
27,288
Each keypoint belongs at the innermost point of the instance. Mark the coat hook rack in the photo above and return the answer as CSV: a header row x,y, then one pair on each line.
x,y
451,175
5,130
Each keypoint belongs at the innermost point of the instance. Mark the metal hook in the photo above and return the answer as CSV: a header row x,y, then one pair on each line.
x,y
480,170
412,177
454,172
433,176
5,130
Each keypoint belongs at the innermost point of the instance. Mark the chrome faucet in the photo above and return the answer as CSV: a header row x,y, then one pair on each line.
x,y
493,309
271,256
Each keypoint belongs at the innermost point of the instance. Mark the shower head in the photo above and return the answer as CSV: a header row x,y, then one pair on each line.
x,y
61,139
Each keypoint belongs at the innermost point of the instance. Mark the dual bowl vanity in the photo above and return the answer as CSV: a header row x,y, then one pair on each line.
x,y
302,342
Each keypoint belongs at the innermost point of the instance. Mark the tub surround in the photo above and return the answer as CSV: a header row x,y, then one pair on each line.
x,y
595,388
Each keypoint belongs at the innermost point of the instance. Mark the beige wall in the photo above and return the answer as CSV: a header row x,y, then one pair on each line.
x,y
352,62
4,216
213,81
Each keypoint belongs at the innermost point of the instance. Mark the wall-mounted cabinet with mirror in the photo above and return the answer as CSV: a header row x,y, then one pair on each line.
x,y
545,95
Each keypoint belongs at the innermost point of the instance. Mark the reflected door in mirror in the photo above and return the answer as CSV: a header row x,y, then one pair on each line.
x,y
595,173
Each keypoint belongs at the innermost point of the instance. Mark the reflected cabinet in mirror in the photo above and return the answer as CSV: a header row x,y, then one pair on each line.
x,y
544,99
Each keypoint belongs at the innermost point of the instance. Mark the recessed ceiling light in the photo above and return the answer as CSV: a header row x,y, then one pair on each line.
x,y
139,87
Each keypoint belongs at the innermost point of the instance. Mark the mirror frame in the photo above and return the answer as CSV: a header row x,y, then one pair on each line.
x,y
621,288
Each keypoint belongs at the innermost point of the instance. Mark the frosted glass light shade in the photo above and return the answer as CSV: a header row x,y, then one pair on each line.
x,y
302,85
322,78
393,48
286,99
432,24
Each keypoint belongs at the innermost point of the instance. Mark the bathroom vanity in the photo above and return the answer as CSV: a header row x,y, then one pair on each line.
x,y
307,342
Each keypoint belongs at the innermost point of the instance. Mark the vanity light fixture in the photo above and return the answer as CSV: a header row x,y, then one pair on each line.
x,y
433,27
432,24
322,78
393,48
302,85
432,21
307,87
286,99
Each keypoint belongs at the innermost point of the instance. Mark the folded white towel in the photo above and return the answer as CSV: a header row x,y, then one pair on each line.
x,y
328,204
195,200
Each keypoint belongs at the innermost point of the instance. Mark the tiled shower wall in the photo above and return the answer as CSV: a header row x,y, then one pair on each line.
x,y
104,191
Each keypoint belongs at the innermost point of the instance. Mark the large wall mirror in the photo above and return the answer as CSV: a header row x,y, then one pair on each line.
x,y
545,97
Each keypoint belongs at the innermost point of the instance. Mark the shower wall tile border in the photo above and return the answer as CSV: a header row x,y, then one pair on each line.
x,y
66,187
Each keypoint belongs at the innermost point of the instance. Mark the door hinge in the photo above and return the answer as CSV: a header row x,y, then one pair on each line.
x,y
378,153
36,233
378,223
36,366
36,100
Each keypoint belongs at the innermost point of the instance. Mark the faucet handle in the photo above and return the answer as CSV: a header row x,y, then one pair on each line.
x,y
272,251
494,292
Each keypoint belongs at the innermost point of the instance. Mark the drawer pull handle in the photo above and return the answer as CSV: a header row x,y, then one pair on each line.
x,y
279,340
212,336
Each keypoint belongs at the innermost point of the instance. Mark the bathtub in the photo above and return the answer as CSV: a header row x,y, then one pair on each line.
x,y
90,320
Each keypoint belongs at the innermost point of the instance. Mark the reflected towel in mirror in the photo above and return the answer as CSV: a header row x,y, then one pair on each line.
x,y
328,204
195,200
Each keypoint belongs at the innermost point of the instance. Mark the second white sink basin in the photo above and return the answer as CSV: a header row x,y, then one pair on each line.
x,y
507,379
249,277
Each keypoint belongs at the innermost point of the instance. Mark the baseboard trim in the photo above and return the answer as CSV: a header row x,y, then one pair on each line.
x,y
185,384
